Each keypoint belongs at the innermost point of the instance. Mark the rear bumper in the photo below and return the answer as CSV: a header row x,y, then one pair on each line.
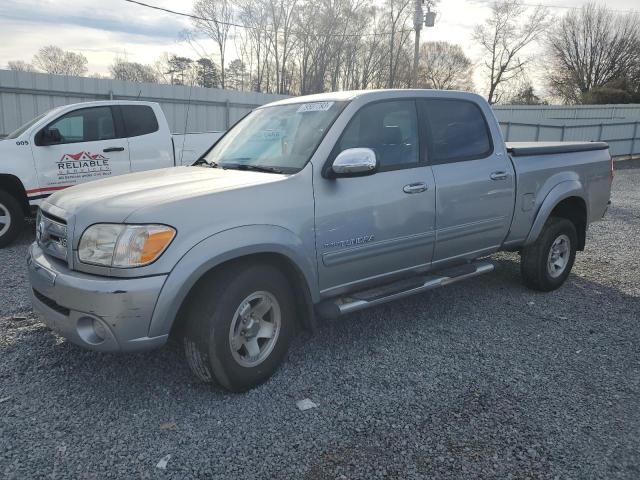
x,y
97,313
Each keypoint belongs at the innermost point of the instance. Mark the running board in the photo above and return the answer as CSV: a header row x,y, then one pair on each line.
x,y
376,296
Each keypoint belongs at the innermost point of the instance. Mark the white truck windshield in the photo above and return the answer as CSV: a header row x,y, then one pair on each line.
x,y
26,126
281,138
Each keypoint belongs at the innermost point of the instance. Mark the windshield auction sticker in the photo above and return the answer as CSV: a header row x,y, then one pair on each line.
x,y
315,107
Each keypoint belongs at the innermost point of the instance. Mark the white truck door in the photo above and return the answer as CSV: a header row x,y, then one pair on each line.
x,y
77,147
149,140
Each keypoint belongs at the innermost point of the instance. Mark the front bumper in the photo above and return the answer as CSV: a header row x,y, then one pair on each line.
x,y
98,313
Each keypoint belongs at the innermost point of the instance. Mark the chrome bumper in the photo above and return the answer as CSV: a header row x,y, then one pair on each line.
x,y
97,313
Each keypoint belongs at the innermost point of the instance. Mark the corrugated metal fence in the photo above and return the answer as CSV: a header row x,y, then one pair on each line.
x,y
24,95
618,125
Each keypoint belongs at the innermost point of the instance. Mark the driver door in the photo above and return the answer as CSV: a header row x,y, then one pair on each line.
x,y
371,227
88,148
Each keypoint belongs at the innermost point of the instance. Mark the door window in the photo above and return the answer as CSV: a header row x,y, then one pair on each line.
x,y
457,130
86,125
139,120
388,128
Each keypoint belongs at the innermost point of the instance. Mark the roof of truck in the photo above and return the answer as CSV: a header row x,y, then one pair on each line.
x,y
375,95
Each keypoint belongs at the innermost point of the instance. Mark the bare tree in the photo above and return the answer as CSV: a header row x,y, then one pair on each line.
x,y
281,37
592,48
253,43
132,71
52,59
310,46
215,17
20,66
503,38
444,66
400,14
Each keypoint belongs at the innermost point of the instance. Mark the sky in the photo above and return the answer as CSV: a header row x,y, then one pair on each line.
x,y
104,29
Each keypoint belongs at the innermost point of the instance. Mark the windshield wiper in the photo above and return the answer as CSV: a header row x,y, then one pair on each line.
x,y
253,168
202,161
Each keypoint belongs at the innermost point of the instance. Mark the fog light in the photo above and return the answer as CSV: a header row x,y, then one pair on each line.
x,y
91,330
99,329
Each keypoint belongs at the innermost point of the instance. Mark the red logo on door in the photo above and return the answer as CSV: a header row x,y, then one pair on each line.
x,y
82,156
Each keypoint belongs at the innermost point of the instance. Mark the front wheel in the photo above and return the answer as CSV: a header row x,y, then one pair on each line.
x,y
546,264
11,218
239,324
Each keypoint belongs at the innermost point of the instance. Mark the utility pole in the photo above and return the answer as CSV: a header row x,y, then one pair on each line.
x,y
418,19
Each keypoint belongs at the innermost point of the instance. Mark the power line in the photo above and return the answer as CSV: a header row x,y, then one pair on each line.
x,y
188,15
336,35
251,27
572,7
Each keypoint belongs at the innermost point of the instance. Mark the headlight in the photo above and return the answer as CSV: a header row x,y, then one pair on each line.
x,y
124,246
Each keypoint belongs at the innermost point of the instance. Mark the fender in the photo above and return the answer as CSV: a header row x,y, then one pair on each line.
x,y
13,185
222,247
565,189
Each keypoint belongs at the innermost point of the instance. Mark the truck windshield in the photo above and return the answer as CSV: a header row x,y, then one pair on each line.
x,y
279,139
25,127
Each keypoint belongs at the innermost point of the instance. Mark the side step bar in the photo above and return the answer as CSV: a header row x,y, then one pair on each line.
x,y
376,296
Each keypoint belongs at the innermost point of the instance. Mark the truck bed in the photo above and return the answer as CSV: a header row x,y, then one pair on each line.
x,y
521,149
540,165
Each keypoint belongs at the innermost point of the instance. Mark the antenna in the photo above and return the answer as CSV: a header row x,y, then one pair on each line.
x,y
186,120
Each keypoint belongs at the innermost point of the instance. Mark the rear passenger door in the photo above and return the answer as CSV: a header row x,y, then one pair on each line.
x,y
475,185
149,146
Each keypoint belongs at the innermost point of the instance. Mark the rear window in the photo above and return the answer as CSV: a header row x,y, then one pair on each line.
x,y
139,120
457,131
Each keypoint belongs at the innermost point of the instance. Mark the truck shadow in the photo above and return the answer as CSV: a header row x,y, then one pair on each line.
x,y
471,311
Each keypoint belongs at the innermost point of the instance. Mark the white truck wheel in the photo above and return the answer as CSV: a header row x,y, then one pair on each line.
x,y
11,218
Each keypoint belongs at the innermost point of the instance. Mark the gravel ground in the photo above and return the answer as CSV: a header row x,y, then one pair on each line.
x,y
483,379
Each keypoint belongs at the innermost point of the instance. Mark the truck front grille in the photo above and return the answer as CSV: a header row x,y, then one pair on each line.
x,y
51,234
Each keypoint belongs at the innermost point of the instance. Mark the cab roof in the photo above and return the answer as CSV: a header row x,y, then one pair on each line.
x,y
371,95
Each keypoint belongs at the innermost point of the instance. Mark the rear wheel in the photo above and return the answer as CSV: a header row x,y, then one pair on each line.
x,y
239,324
11,218
546,264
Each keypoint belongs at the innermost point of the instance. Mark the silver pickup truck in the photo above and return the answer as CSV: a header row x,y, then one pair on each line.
x,y
308,207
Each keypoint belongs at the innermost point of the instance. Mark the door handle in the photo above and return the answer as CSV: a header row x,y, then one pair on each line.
x,y
498,175
415,187
113,149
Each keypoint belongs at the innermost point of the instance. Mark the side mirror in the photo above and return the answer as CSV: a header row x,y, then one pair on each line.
x,y
51,136
355,162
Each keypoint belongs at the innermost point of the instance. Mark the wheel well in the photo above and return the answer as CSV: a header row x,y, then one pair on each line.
x,y
13,185
301,293
574,209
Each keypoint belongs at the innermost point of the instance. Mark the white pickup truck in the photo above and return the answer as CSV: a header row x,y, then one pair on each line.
x,y
82,142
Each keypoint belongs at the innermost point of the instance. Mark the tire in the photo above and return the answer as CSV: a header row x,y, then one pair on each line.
x,y
11,218
216,348
543,269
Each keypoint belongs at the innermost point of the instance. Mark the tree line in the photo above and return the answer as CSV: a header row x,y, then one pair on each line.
x,y
297,47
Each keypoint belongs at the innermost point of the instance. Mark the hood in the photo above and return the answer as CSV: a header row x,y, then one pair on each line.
x,y
114,199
